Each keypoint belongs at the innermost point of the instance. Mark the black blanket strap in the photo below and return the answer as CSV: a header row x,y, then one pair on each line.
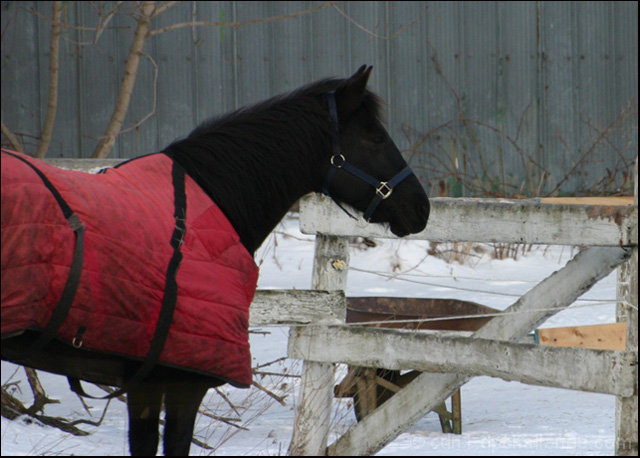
x,y
71,286
68,293
170,293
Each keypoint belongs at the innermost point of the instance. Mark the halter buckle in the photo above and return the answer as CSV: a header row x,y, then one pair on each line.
x,y
384,190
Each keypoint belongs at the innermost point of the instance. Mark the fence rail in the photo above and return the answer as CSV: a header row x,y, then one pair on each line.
x,y
597,371
491,220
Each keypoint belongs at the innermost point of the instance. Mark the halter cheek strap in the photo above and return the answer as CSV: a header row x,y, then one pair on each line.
x,y
383,188
338,161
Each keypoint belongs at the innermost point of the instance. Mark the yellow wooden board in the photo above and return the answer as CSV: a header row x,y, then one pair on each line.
x,y
600,336
623,200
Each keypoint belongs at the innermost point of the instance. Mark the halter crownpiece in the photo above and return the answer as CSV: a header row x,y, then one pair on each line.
x,y
338,161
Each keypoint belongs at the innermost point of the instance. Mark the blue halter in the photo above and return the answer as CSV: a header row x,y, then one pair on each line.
x,y
338,162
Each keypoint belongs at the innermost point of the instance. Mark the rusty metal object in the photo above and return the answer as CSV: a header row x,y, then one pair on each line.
x,y
366,309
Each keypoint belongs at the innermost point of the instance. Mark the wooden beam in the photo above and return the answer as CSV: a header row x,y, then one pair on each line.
x,y
490,220
571,368
297,307
627,311
313,413
609,201
598,337
428,390
83,165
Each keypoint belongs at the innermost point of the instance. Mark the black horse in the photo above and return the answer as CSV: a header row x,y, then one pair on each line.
x,y
255,163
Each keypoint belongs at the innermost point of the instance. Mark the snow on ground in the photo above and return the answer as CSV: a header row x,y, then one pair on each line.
x,y
498,417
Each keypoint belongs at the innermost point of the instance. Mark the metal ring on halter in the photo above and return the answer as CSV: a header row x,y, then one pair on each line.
x,y
340,156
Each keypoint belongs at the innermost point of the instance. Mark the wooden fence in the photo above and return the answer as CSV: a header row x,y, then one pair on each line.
x,y
448,360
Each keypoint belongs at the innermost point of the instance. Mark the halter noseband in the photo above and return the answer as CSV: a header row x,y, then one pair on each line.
x,y
338,161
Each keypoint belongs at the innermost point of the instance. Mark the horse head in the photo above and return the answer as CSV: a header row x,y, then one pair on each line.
x,y
365,168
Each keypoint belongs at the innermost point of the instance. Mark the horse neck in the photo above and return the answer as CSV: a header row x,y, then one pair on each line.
x,y
252,182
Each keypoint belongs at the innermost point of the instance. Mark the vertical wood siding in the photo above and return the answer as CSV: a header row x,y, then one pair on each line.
x,y
505,97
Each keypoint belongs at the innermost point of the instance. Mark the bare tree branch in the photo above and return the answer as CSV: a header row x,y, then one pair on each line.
x,y
228,420
155,96
15,144
228,401
370,32
601,135
280,399
40,398
162,8
181,25
12,408
102,24
52,104
126,88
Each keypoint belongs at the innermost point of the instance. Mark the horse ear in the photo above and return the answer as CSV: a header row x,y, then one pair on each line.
x,y
349,96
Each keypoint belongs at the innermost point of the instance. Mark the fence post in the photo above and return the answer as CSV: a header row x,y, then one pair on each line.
x,y
313,412
627,310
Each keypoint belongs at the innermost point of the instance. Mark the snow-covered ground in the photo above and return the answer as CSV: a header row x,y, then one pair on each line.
x,y
498,417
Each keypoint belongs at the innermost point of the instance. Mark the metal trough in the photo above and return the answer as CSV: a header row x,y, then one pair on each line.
x,y
367,309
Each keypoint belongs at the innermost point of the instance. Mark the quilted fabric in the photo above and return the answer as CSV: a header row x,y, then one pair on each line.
x,y
128,215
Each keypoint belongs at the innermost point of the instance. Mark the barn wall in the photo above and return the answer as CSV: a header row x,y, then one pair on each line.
x,y
483,97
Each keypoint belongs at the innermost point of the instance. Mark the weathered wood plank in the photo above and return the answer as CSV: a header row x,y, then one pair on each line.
x,y
297,307
313,414
428,390
490,220
84,165
609,201
627,311
598,336
597,371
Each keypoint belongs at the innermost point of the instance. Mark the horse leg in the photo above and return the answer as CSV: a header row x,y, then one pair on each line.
x,y
144,401
181,400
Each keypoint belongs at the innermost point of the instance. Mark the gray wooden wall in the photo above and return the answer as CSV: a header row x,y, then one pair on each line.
x,y
483,97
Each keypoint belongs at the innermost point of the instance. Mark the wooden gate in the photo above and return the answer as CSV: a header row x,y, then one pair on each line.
x,y
608,229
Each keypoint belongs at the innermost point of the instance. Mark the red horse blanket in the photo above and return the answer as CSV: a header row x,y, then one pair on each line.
x,y
128,215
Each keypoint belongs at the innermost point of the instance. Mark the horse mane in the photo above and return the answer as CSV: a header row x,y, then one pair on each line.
x,y
268,149
297,100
